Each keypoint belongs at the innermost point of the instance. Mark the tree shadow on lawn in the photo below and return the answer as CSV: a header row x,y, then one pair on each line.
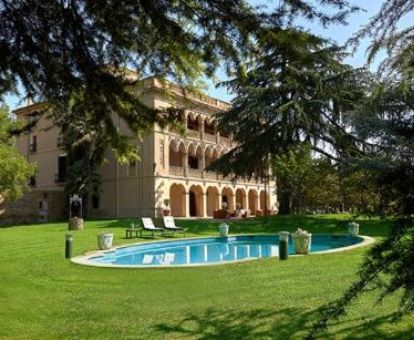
x,y
287,323
320,224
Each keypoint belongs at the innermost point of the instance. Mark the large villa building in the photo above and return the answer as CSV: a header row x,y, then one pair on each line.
x,y
172,167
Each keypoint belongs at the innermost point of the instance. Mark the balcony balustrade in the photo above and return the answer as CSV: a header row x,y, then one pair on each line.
x,y
176,170
225,141
209,138
194,172
210,174
193,133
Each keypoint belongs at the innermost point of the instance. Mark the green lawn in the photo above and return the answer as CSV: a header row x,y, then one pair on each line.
x,y
44,296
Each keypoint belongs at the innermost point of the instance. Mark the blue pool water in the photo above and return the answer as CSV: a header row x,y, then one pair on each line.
x,y
212,250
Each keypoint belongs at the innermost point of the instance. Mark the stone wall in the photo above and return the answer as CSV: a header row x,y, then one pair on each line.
x,y
27,209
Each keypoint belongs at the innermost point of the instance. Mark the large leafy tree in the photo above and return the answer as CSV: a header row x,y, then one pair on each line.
x,y
14,169
75,56
307,183
295,92
387,118
294,171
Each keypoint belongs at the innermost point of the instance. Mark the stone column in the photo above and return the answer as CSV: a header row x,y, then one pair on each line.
x,y
187,204
233,202
185,121
185,163
220,201
230,140
204,205
201,127
203,165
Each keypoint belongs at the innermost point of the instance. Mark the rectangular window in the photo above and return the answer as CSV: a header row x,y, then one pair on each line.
x,y
59,142
33,143
162,154
132,168
62,169
32,181
95,201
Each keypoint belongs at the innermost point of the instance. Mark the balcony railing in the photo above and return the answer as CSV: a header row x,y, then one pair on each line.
x,y
176,170
193,133
209,138
224,140
210,174
194,172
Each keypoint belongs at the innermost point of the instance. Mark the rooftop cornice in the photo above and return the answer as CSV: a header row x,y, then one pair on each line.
x,y
155,84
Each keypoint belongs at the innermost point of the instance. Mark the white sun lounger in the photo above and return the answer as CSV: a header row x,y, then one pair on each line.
x,y
169,225
148,225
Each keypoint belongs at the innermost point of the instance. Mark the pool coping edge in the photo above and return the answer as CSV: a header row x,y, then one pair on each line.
x,y
85,258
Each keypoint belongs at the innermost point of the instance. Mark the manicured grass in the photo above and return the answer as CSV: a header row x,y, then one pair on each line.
x,y
44,296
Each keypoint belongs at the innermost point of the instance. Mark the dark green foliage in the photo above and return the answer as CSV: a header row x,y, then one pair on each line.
x,y
387,118
294,170
14,168
309,184
294,92
75,55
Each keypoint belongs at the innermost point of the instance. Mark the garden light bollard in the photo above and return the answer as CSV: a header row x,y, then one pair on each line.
x,y
283,245
68,246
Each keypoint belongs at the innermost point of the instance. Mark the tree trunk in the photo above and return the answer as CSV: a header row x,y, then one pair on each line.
x,y
285,200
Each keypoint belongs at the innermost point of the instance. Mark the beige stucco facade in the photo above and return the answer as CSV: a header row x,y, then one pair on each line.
x,y
171,167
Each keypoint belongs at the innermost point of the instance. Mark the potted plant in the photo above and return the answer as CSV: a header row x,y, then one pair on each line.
x,y
105,239
302,241
353,228
224,229
167,210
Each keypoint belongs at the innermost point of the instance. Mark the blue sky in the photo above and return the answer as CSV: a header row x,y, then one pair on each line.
x,y
337,33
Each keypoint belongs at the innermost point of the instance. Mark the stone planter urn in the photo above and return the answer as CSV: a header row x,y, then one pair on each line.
x,y
105,240
166,211
75,223
224,229
302,241
353,228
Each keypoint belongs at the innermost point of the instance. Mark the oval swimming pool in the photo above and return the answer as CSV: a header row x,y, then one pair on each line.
x,y
209,250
